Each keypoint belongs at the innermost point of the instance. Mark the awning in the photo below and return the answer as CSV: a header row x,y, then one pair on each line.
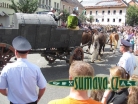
x,y
2,13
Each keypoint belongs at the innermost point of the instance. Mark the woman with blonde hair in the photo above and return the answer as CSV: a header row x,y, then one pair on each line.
x,y
133,92
116,96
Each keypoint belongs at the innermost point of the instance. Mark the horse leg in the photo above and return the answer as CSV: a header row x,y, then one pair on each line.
x,y
111,49
115,45
99,55
103,47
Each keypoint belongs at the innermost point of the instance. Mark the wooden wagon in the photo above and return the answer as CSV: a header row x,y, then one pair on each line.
x,y
45,37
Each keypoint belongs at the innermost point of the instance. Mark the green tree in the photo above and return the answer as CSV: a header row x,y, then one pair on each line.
x,y
82,16
132,15
90,19
24,6
65,15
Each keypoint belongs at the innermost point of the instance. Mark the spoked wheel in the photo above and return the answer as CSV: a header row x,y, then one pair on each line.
x,y
50,59
6,53
77,54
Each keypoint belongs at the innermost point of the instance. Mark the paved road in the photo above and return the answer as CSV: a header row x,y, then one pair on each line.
x,y
59,70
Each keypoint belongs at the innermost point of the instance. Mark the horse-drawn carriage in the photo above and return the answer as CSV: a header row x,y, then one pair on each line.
x,y
45,37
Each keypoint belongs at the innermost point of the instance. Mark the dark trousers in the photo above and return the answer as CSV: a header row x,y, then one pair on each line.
x,y
28,103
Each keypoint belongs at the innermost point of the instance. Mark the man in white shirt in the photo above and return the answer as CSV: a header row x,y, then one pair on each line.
x,y
127,61
18,80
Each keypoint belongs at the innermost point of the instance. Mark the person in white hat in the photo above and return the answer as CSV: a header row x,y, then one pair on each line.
x,y
52,13
18,80
127,61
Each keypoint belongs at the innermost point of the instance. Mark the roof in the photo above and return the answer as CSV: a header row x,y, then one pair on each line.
x,y
74,2
132,2
105,3
90,2
2,13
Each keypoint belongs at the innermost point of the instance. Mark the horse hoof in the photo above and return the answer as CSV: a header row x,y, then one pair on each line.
x,y
99,58
114,51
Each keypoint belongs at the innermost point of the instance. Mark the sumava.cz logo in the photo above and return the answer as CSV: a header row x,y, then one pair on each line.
x,y
88,83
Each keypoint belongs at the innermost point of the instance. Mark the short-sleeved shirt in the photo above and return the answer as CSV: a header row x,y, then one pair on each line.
x,y
68,100
128,62
22,78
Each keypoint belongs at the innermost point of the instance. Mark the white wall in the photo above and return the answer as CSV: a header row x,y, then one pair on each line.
x,y
105,16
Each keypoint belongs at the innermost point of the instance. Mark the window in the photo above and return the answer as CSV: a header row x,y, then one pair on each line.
x,y
85,12
50,3
102,12
114,12
120,12
96,12
119,20
97,20
113,20
108,20
43,2
108,11
102,20
46,2
57,5
7,5
54,4
90,12
63,7
39,2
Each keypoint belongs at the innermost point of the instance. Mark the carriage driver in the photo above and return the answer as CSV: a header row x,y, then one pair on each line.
x,y
127,61
18,80
73,21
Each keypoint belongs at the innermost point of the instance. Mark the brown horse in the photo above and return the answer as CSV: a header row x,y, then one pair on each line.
x,y
87,37
114,37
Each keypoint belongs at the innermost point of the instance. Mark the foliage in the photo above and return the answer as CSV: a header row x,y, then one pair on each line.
x,y
24,6
132,15
65,15
90,19
82,17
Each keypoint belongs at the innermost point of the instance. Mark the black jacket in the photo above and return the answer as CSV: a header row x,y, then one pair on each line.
x,y
119,97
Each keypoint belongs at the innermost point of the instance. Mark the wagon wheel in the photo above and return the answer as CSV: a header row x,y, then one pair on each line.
x,y
77,54
6,53
50,59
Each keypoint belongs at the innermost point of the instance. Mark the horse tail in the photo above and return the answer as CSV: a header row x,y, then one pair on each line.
x,y
116,37
116,40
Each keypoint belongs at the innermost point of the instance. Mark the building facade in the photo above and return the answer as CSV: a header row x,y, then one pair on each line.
x,y
6,13
110,12
70,4
46,5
